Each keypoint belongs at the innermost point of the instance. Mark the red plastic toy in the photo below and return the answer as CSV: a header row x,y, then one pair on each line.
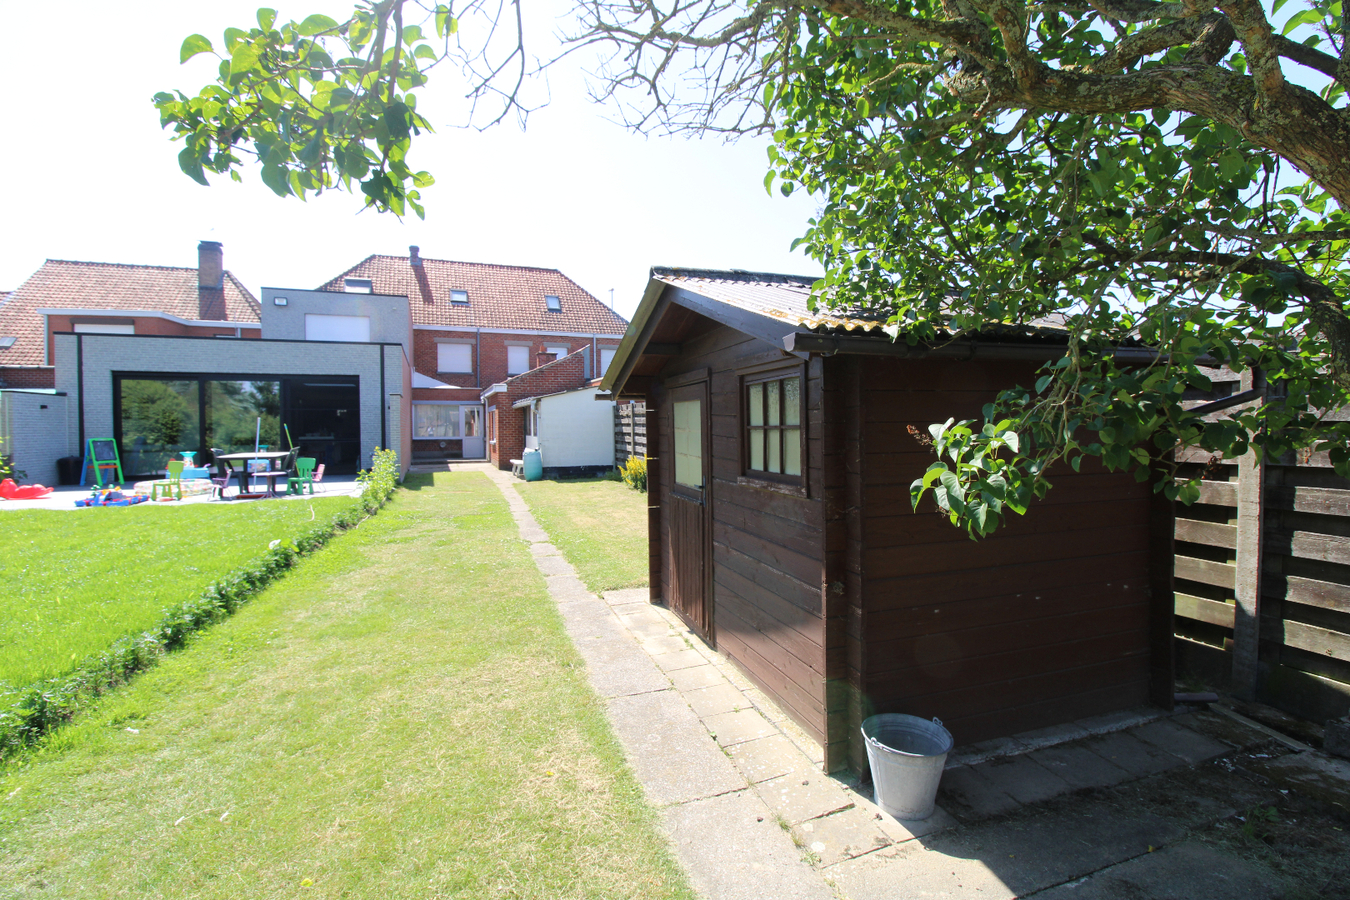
x,y
11,491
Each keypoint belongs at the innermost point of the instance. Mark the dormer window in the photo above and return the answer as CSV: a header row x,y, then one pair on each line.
x,y
358,285
459,296
553,303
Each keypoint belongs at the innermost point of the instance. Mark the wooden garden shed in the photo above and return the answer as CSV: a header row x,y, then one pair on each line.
x,y
781,529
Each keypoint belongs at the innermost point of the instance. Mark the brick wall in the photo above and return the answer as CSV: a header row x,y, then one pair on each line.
x,y
564,374
41,377
491,368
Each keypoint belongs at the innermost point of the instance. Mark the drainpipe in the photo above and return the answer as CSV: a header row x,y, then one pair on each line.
x,y
478,358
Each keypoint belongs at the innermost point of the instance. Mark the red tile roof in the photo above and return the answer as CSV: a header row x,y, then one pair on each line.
x,y
66,284
499,296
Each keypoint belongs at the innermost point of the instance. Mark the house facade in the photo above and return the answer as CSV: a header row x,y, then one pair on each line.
x,y
476,325
780,525
66,296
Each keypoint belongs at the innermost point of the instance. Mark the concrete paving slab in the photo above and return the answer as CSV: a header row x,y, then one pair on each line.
x,y
901,830
1080,767
720,698
798,797
1178,740
538,550
696,677
840,836
1120,720
733,849
625,596
670,750
1186,871
554,565
1024,779
912,870
1008,858
974,754
968,795
661,643
1049,737
681,659
769,757
643,627
737,727
1132,754
533,534
567,587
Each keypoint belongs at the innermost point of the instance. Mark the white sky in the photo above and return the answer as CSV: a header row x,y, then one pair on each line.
x,y
89,175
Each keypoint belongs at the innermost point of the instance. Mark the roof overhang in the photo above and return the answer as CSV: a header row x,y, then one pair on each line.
x,y
146,314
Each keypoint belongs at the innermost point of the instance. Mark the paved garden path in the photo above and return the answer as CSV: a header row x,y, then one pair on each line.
x,y
1104,809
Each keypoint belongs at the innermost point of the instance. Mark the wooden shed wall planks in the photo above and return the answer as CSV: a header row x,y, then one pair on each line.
x,y
767,546
1042,622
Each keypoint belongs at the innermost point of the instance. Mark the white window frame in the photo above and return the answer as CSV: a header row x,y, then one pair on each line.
x,y
558,350
553,303
607,358
458,296
103,327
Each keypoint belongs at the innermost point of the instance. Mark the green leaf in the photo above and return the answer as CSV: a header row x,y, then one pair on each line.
x,y
266,18
316,24
191,165
192,45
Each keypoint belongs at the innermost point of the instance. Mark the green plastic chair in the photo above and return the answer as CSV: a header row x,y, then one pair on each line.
x,y
175,484
304,475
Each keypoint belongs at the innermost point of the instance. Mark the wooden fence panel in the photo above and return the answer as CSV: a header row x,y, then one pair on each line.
x,y
1288,642
630,432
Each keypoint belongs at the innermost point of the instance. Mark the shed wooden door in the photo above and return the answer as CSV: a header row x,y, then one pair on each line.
x,y
689,505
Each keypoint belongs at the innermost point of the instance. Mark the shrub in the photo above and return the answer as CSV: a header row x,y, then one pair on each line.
x,y
634,473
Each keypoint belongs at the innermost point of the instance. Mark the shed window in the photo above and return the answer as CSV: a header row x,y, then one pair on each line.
x,y
773,428
688,443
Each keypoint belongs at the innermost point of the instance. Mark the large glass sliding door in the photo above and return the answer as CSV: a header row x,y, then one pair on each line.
x,y
159,416
160,419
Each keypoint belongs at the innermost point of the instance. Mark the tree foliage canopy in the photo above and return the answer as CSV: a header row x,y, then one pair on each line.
x,y
1172,175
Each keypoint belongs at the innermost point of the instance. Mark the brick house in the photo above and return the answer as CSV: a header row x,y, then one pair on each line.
x,y
116,298
479,325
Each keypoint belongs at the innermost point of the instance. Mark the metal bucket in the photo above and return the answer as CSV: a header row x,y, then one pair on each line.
x,y
906,755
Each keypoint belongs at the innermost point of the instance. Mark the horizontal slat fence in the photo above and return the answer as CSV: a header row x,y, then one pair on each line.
x,y
1295,572
630,432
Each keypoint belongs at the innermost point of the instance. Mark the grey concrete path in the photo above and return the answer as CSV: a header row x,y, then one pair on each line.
x,y
1105,808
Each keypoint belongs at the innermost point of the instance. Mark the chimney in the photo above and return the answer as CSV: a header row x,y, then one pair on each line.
x,y
413,258
210,281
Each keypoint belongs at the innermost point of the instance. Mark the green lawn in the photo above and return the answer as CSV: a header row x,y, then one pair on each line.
x,y
599,525
400,716
73,581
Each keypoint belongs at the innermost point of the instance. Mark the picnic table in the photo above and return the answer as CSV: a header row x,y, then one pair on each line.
x,y
272,457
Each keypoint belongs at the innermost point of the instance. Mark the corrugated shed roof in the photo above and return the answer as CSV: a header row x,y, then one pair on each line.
x,y
785,298
68,284
499,296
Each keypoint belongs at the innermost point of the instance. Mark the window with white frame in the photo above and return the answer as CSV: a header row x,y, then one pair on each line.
x,y
435,420
553,303
454,358
459,296
517,360
558,351
606,357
